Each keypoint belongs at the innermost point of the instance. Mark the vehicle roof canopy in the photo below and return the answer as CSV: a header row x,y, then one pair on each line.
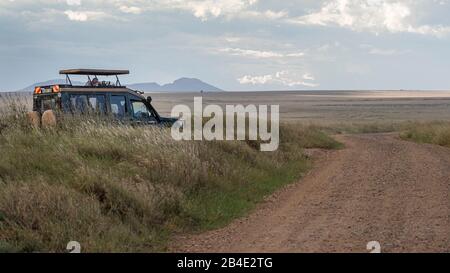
x,y
94,72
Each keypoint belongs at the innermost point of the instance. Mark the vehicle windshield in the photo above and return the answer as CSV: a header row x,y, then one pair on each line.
x,y
140,110
47,102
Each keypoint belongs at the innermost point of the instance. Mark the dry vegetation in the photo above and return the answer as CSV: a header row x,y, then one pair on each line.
x,y
128,189
431,132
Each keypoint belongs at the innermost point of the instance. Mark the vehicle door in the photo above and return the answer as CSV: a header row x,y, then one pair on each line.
x,y
140,112
119,106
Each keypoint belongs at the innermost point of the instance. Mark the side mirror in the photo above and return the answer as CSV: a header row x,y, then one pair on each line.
x,y
145,115
149,99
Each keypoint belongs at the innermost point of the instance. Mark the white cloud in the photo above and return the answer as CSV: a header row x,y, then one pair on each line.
x,y
285,78
268,14
76,16
132,9
250,53
83,16
259,54
369,15
73,2
376,16
308,77
254,80
204,9
295,55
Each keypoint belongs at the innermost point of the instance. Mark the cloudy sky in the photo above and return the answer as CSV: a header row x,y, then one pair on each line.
x,y
233,44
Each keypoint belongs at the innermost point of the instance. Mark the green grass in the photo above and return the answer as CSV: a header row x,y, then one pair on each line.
x,y
431,132
214,207
129,189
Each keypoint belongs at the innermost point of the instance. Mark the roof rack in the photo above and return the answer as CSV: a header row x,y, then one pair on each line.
x,y
94,72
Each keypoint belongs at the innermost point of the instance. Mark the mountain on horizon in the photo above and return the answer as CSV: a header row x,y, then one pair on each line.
x,y
180,85
49,82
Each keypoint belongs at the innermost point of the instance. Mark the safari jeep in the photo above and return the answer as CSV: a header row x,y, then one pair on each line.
x,y
101,98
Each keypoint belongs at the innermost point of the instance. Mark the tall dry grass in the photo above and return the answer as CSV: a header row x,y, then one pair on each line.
x,y
118,188
430,132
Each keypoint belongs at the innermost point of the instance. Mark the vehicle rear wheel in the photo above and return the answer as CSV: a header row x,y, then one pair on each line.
x,y
48,119
34,119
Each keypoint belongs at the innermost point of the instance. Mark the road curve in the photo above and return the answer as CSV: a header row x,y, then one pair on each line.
x,y
379,188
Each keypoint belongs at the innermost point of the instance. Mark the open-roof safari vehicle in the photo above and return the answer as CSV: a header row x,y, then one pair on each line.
x,y
103,98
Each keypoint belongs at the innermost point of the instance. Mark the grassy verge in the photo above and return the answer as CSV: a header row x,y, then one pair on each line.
x,y
127,189
362,127
431,132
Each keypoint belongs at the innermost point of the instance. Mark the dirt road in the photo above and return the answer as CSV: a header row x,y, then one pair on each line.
x,y
378,188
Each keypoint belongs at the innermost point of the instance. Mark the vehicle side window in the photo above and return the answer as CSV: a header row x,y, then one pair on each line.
x,y
98,103
79,103
140,110
88,104
119,106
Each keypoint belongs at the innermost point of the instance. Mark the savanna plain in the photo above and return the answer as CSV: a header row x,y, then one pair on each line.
x,y
352,167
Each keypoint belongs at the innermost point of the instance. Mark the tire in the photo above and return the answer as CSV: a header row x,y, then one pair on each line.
x,y
34,119
49,119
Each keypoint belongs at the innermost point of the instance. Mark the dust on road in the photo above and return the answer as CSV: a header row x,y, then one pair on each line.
x,y
379,188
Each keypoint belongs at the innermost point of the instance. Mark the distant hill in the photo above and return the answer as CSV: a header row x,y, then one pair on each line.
x,y
148,87
180,85
50,82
